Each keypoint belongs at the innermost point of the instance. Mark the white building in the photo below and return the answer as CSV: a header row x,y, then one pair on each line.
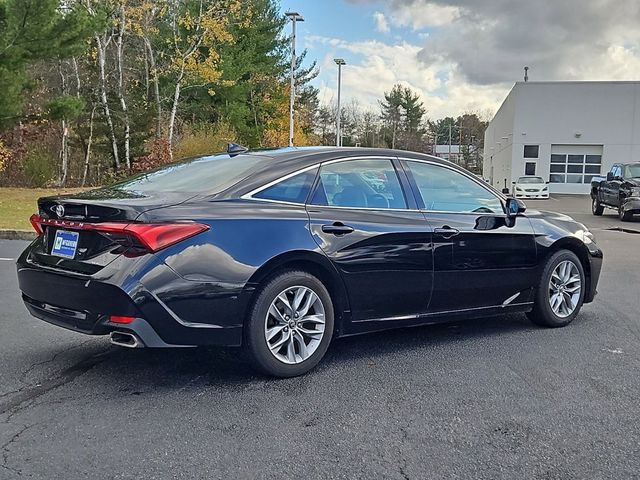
x,y
442,151
565,132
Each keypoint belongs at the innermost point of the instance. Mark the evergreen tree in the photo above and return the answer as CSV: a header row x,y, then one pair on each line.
x,y
32,30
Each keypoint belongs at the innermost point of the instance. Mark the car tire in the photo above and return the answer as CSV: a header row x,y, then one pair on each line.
x,y
266,328
624,216
557,302
596,207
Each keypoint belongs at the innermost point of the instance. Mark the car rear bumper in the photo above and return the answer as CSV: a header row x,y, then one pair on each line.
x,y
86,304
93,324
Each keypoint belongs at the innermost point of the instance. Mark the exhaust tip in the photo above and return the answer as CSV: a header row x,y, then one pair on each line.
x,y
126,339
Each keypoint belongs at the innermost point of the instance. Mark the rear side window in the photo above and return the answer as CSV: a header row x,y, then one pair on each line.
x,y
364,183
294,189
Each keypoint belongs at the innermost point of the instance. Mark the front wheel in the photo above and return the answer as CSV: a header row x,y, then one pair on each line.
x,y
560,294
624,216
290,325
596,207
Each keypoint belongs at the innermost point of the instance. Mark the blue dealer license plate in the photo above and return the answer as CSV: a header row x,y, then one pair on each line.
x,y
65,244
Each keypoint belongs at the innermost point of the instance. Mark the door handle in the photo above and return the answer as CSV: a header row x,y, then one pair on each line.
x,y
446,231
337,228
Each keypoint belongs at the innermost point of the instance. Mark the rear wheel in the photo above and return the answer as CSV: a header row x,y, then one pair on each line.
x,y
290,325
560,294
596,207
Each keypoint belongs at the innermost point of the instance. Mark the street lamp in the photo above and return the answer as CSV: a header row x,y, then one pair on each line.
x,y
340,62
294,17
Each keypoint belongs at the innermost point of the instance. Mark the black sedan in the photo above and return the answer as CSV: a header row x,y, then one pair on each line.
x,y
280,251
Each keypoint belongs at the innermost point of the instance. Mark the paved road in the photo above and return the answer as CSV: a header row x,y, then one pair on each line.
x,y
491,398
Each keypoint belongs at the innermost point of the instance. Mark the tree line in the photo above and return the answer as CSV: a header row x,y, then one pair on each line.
x,y
97,89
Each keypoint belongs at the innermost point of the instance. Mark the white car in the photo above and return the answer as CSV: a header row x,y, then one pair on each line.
x,y
531,187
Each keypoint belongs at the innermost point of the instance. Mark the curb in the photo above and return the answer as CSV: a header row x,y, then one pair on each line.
x,y
17,235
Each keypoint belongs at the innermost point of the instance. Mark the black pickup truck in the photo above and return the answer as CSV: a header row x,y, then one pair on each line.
x,y
619,190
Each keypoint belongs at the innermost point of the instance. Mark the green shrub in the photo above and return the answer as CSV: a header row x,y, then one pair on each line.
x,y
202,139
39,166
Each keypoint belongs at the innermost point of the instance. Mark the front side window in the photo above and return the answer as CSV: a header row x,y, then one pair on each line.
x,y
363,183
294,189
445,190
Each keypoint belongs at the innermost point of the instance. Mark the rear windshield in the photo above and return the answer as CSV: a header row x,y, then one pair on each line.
x,y
530,180
211,174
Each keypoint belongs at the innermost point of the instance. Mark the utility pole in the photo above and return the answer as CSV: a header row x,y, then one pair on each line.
x,y
449,142
340,62
295,17
460,141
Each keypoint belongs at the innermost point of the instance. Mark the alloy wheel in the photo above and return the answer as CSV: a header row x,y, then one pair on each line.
x,y
565,286
295,324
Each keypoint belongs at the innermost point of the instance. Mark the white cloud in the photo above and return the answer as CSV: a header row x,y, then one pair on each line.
x,y
422,15
470,52
381,22
490,41
373,67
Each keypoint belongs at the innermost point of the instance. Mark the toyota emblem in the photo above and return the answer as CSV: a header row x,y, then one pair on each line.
x,y
59,210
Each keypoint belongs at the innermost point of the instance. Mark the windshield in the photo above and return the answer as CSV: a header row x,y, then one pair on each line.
x,y
632,171
211,174
530,180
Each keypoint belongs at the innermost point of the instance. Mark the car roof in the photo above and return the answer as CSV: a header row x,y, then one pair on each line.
x,y
284,161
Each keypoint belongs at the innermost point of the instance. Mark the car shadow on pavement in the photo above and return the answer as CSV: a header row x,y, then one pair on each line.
x,y
229,366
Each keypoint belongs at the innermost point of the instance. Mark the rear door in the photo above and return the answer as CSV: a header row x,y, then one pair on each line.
x,y
364,221
479,259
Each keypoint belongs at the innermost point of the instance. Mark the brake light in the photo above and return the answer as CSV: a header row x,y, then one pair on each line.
x,y
161,235
34,219
121,319
152,236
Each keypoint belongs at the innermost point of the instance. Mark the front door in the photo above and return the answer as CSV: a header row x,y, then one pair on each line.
x,y
360,216
481,259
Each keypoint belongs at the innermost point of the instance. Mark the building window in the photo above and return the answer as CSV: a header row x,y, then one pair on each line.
x,y
573,168
530,168
531,151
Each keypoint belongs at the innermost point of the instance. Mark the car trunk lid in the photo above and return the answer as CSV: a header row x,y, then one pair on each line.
x,y
84,232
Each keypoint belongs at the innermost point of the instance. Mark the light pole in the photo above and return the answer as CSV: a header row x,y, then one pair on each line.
x,y
340,62
295,17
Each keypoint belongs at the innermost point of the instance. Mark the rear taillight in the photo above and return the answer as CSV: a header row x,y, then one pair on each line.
x,y
35,223
156,236
151,236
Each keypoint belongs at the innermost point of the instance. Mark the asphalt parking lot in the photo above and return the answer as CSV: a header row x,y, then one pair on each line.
x,y
490,398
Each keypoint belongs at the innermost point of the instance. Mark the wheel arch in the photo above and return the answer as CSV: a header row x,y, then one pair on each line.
x,y
580,250
314,263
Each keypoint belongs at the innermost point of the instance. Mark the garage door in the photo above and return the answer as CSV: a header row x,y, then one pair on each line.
x,y
573,166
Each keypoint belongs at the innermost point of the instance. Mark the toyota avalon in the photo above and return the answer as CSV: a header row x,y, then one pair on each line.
x,y
280,251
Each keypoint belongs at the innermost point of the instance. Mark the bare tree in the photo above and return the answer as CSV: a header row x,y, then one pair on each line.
x,y
123,103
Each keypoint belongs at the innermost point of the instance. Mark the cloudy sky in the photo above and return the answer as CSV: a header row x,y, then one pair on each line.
x,y
464,55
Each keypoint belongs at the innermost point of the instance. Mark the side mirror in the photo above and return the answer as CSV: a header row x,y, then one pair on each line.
x,y
514,207
609,176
